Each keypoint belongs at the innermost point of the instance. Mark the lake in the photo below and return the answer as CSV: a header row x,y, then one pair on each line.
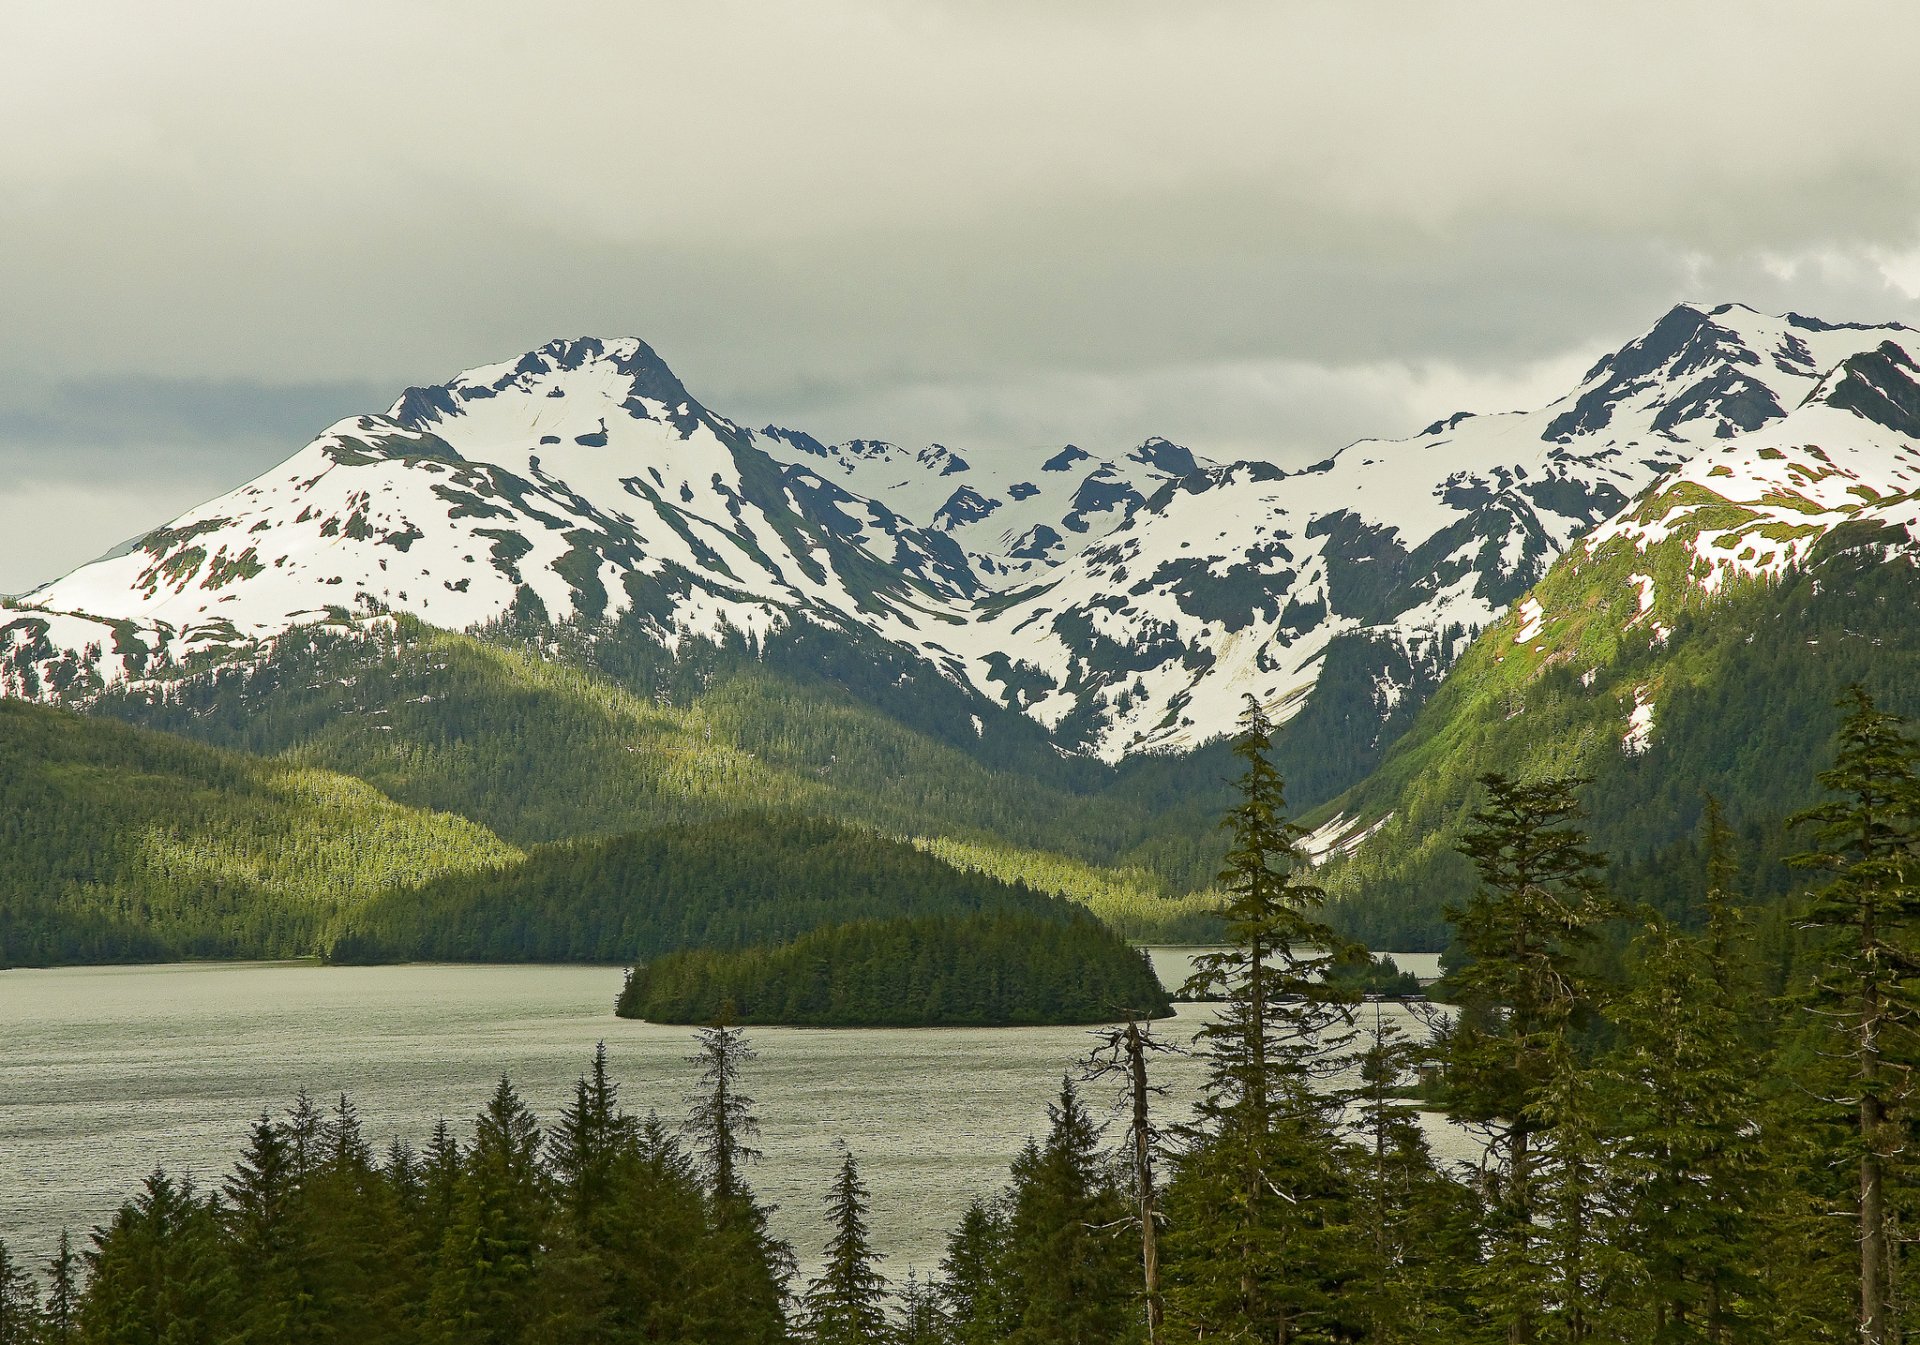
x,y
109,1072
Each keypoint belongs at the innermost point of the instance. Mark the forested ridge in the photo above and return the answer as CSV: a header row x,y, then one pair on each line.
x,y
546,734
118,844
1744,685
730,882
999,968
1689,1143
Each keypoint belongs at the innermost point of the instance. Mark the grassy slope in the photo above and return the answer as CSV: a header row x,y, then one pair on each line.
x,y
1743,690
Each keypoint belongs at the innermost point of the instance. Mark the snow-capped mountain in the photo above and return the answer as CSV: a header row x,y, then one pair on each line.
x,y
1691,645
1126,602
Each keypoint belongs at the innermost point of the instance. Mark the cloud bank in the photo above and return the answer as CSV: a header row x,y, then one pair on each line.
x,y
1260,229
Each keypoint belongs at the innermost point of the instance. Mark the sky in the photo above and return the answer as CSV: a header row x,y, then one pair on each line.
x,y
1259,229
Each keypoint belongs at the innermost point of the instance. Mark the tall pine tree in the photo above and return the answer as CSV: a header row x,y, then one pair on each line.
x,y
1508,1055
846,1303
1868,839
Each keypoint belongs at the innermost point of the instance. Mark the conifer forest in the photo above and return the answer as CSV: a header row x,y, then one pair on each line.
x,y
1684,1133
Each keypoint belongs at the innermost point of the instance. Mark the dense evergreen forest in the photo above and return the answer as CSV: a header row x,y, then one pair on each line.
x,y
1688,1143
1745,683
530,732
118,844
990,969
732,882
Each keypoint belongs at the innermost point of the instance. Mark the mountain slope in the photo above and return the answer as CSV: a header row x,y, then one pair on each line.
x,y
541,751
119,844
1694,643
1124,604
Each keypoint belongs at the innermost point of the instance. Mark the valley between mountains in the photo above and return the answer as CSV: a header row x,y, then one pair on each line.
x,y
499,671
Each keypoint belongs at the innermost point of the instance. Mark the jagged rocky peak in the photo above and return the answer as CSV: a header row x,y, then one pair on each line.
x,y
1708,373
1881,385
623,371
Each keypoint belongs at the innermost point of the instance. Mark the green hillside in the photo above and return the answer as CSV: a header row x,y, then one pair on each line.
x,y
539,749
119,844
1742,685
731,882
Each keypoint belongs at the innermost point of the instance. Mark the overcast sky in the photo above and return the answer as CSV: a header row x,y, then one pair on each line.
x,y
1259,229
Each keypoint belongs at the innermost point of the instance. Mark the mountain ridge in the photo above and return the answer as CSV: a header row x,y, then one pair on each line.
x,y
1125,604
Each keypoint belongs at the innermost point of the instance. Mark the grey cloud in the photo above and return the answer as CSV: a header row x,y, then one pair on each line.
x,y
1254,227
137,428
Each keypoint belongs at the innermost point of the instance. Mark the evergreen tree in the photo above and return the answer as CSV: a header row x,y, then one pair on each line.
x,y
263,1217
1070,1264
745,1267
846,1303
922,1320
591,1141
159,1275
1869,840
358,1238
722,1121
20,1319
1257,1242
485,1286
1687,1155
1416,1223
1509,1055
63,1293
973,1287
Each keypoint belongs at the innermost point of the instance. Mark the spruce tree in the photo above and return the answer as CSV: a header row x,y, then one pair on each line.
x,y
358,1240
590,1142
264,1218
846,1303
745,1268
1868,839
20,1319
486,1286
1070,1265
1686,1154
1416,1223
974,1285
63,1293
922,1320
159,1272
1509,1054
1257,1213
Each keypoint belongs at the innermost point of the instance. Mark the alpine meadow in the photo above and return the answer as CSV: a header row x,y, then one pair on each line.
x,y
1219,829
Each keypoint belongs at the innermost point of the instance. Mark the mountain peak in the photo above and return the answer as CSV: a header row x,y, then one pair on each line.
x,y
1881,385
625,368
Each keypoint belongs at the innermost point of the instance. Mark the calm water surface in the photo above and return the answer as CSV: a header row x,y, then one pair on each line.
x,y
109,1072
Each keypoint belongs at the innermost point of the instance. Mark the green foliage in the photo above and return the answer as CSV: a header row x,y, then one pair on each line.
x,y
541,749
727,883
846,1304
1511,1055
1002,968
120,844
1743,681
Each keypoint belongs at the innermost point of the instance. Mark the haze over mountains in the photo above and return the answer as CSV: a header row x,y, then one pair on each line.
x,y
1125,603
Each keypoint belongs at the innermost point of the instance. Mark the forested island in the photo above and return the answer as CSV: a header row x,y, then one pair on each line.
x,y
1680,1140
982,970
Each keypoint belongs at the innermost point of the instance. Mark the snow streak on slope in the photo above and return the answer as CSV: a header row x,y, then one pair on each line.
x,y
1128,602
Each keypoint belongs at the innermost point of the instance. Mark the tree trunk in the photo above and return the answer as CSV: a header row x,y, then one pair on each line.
x,y
1143,1177
1873,1210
